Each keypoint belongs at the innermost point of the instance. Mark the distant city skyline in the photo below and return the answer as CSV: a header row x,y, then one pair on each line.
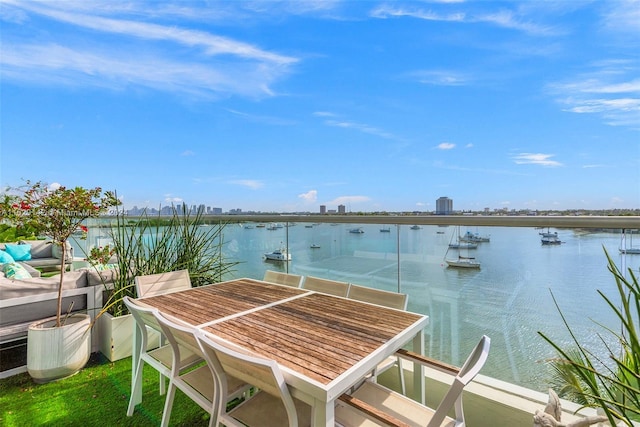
x,y
278,106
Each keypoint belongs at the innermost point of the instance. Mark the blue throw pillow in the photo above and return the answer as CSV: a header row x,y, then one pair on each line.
x,y
5,257
19,252
15,271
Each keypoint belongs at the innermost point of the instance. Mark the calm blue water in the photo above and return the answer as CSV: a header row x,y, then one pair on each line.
x,y
508,298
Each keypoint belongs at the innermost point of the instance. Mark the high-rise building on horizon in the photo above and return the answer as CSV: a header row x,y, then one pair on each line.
x,y
323,209
444,206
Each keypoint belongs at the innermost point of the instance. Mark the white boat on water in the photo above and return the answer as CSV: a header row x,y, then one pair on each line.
x,y
628,249
470,237
549,238
415,227
463,262
278,255
357,230
385,230
460,261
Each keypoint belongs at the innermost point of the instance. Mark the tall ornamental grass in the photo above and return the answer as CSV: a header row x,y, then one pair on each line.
x,y
150,245
612,384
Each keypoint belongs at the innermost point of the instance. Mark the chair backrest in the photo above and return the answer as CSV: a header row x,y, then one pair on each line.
x,y
469,370
377,296
144,316
326,286
178,334
287,279
262,373
162,283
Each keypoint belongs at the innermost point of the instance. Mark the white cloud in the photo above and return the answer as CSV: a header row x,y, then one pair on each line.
x,y
249,183
446,146
323,114
187,153
503,18
310,196
440,77
170,199
211,44
364,128
536,159
611,90
146,54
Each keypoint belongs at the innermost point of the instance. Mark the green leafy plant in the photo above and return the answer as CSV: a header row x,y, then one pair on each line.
x,y
151,245
100,254
55,212
612,384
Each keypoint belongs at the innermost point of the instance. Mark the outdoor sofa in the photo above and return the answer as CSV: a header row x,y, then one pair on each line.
x,y
40,254
25,301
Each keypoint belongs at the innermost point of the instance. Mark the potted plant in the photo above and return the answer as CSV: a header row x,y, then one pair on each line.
x,y
61,347
150,245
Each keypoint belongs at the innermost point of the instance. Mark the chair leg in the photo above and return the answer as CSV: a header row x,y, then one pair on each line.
x,y
168,405
137,386
163,389
403,388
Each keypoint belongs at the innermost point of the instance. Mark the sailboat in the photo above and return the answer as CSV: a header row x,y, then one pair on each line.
x,y
461,261
624,249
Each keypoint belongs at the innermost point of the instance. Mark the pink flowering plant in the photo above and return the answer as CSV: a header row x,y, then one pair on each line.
x,y
101,254
55,212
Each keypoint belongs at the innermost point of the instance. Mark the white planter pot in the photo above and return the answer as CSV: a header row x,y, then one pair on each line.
x,y
116,336
58,352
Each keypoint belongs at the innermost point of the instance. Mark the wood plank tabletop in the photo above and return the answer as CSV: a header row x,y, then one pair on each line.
x,y
208,303
320,336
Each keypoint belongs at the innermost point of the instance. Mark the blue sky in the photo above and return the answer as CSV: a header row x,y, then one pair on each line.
x,y
286,105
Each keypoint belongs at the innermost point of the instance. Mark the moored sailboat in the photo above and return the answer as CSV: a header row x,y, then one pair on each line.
x,y
461,261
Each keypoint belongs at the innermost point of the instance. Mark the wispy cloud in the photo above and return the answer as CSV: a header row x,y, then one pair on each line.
x,y
168,198
310,196
187,153
333,119
536,159
611,91
324,114
623,16
440,77
137,53
249,183
503,18
361,127
257,118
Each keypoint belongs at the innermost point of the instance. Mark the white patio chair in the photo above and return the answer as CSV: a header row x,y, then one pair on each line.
x,y
271,406
326,286
198,384
376,405
280,278
160,358
387,299
162,283
378,296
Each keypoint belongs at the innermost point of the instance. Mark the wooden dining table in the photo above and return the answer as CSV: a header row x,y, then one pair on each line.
x,y
323,344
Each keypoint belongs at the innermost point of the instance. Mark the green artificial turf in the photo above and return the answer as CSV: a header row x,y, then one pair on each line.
x,y
96,396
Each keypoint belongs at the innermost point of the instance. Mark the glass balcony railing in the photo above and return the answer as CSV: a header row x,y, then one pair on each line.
x,y
507,270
